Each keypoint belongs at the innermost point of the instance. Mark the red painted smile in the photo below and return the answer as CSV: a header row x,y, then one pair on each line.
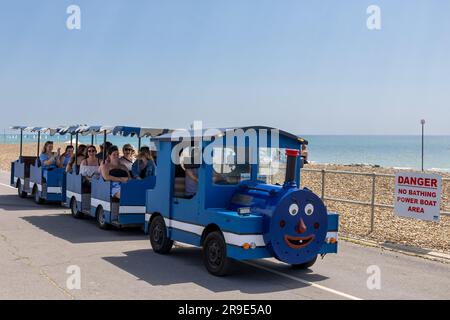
x,y
298,242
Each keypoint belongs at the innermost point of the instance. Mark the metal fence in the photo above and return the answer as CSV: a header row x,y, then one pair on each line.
x,y
372,203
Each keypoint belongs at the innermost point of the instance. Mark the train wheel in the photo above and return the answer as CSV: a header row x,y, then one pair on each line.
x,y
74,209
215,254
306,265
20,191
37,196
158,236
101,220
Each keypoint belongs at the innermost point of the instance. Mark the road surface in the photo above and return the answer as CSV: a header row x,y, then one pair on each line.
x,y
39,243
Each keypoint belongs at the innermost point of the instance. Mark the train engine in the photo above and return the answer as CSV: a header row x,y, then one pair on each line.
x,y
296,225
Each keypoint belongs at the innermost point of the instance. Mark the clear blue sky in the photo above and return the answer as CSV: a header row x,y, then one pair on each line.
x,y
311,67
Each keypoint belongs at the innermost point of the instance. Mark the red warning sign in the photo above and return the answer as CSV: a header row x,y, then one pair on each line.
x,y
418,195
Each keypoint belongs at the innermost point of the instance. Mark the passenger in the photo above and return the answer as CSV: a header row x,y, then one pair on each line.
x,y
191,180
80,156
154,155
102,148
144,165
65,157
127,159
69,166
304,154
89,166
115,172
49,159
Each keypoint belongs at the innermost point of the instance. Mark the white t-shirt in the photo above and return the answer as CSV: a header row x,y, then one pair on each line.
x,y
127,163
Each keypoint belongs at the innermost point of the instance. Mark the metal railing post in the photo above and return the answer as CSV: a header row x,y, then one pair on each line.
x,y
323,184
372,203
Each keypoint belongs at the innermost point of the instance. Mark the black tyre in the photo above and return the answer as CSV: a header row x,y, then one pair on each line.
x,y
37,196
215,254
20,191
306,265
74,209
158,236
101,220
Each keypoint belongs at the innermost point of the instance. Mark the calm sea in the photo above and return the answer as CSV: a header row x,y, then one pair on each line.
x,y
386,151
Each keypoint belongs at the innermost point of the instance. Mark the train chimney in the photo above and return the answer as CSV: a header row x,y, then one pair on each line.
x,y
291,167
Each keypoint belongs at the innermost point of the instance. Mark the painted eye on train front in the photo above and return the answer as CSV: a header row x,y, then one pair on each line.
x,y
309,209
293,209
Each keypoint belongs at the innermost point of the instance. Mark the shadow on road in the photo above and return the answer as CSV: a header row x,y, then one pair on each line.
x,y
85,230
407,248
12,202
185,265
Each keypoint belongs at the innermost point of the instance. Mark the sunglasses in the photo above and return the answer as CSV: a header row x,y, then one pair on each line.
x,y
92,150
130,150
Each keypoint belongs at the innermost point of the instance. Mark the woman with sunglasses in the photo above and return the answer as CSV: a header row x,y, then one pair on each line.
x,y
127,159
144,165
89,166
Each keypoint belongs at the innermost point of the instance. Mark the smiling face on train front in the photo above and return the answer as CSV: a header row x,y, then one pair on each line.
x,y
298,227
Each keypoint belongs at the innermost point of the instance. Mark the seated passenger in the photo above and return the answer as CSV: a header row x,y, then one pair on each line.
x,y
49,159
89,166
69,166
127,159
80,156
144,165
154,155
103,148
115,172
304,154
191,180
66,156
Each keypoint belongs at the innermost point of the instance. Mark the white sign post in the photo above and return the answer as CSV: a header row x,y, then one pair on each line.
x,y
418,195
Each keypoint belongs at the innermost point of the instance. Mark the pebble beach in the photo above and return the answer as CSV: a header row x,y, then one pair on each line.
x,y
355,219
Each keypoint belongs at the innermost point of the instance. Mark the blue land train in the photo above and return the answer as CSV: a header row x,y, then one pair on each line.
x,y
237,211
30,178
96,201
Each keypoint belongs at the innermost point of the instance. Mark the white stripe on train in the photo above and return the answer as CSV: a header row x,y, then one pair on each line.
x,y
122,209
230,238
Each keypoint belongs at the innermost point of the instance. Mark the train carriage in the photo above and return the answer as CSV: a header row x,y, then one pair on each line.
x,y
97,202
78,199
28,175
20,169
235,213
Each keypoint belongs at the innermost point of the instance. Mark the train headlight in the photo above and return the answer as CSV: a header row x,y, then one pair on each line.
x,y
309,209
244,211
293,209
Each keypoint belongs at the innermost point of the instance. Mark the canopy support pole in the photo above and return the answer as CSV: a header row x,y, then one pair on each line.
x,y
139,144
21,143
76,152
104,146
39,143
